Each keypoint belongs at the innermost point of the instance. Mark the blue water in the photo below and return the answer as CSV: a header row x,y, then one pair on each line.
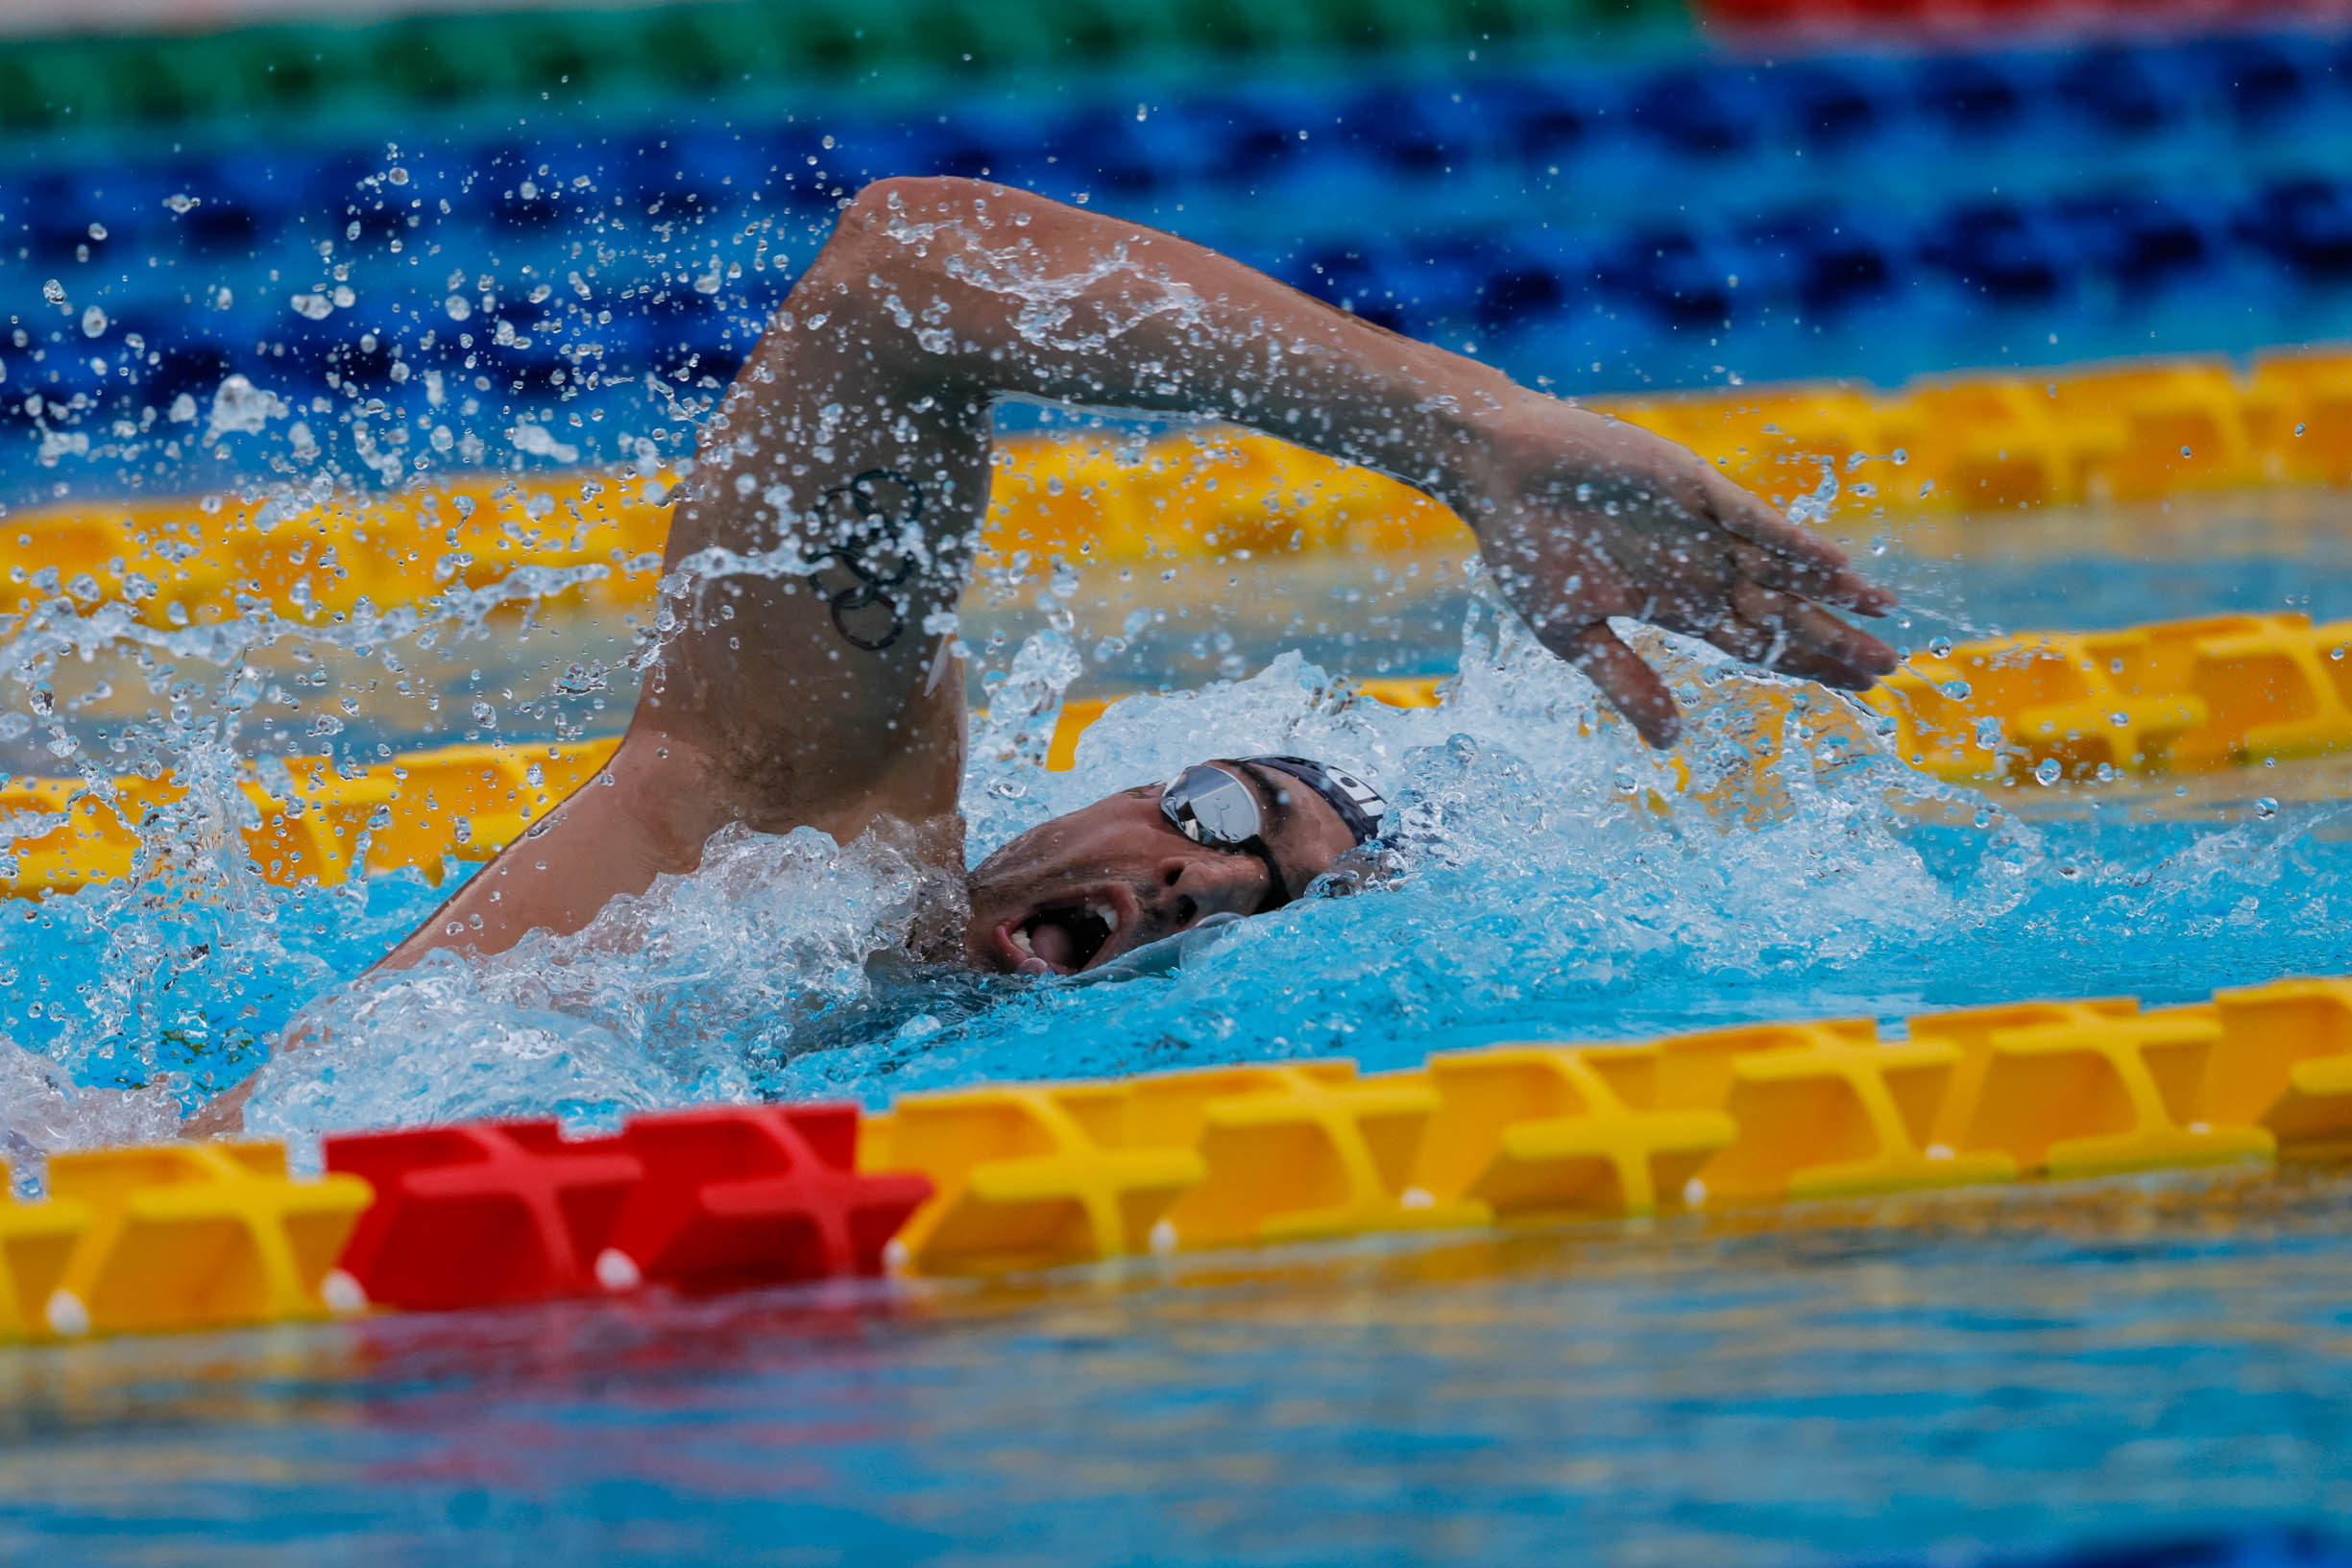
x,y
2139,1373
1557,885
2132,1374
1685,221
2148,1373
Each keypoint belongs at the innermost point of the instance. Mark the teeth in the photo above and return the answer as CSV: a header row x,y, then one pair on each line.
x,y
1108,915
1020,940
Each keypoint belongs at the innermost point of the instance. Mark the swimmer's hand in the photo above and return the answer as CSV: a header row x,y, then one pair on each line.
x,y
1581,518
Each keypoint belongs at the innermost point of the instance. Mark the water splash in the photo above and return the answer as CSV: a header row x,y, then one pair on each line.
x,y
691,992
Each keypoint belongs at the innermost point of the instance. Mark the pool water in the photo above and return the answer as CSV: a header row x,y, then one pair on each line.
x,y
2132,1372
1557,880
2151,1372
2005,1377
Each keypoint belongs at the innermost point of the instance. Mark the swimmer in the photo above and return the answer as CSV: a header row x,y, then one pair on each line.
x,y
851,461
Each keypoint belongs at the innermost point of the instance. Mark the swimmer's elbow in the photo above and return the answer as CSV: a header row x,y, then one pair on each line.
x,y
924,198
860,251
921,195
898,238
860,238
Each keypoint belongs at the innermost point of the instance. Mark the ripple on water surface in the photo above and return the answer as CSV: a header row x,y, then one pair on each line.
x,y
1557,881
2111,1373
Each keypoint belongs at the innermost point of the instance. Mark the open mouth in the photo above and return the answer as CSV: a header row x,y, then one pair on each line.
x,y
1066,937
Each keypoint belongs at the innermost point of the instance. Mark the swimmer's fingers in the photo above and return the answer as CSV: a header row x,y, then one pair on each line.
x,y
1806,580
1781,554
1812,627
1633,688
1775,648
1784,655
1801,638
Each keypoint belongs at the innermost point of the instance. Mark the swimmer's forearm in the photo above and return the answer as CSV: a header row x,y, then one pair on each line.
x,y
993,290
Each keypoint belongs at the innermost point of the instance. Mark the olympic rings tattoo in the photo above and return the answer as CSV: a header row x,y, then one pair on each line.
x,y
873,508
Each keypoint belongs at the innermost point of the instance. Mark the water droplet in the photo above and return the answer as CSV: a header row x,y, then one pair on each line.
x,y
2265,808
180,200
1956,691
457,308
68,1318
98,231
1940,646
93,323
53,291
396,174
2045,772
617,1271
343,1293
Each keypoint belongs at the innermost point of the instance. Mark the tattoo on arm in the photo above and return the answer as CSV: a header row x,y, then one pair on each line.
x,y
867,520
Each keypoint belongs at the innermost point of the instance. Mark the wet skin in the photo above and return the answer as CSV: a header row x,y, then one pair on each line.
x,y
1089,886
850,465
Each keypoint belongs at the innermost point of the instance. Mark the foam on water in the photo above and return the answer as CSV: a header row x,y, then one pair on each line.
x,y
1551,878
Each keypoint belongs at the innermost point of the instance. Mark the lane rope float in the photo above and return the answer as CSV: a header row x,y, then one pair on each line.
x,y
1942,447
2170,697
1004,1177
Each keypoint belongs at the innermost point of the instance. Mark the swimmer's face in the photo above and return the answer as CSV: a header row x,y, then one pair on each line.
x,y
1077,892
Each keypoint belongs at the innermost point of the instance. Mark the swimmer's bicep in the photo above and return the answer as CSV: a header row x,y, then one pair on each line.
x,y
821,675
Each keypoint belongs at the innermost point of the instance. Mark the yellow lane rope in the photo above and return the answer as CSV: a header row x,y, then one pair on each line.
x,y
1954,444
1033,1175
2184,696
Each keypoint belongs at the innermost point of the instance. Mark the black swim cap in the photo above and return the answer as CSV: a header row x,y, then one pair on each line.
x,y
1359,805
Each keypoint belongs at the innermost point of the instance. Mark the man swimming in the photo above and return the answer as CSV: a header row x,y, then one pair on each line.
x,y
849,467
836,502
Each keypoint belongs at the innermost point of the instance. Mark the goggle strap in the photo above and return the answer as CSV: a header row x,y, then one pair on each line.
x,y
1358,804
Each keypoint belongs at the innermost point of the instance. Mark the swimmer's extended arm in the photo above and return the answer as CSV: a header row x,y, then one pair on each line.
x,y
963,291
839,493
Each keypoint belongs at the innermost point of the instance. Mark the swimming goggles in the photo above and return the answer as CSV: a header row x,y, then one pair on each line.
x,y
1210,804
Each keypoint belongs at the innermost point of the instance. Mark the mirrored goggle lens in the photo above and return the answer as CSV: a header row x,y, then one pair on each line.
x,y
1209,805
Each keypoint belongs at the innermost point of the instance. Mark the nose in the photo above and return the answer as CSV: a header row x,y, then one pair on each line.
x,y
1194,885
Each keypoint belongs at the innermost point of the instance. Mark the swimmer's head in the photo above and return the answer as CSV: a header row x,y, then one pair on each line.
x,y
1231,837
